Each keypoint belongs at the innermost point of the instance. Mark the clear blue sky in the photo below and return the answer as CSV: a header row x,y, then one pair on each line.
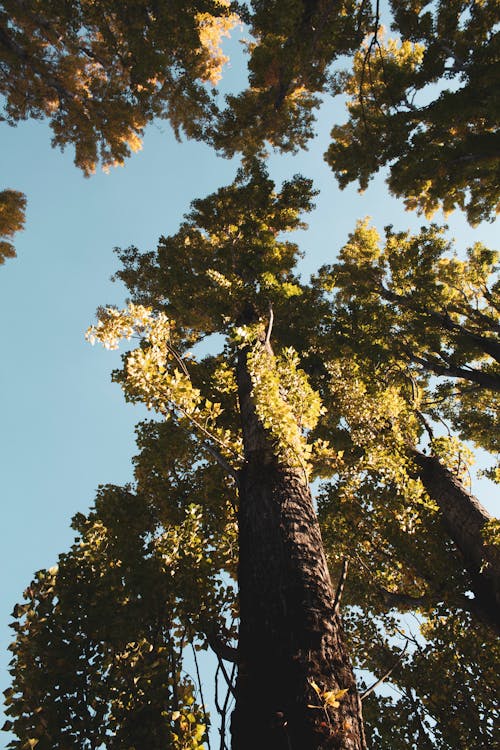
x,y
65,428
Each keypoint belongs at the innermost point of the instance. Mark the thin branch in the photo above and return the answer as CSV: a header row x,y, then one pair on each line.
x,y
269,327
426,424
223,463
198,677
451,370
340,586
221,648
210,436
422,731
228,679
178,359
370,690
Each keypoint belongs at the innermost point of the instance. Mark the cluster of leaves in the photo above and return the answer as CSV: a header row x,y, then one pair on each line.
x,y
100,71
413,306
443,686
425,105
292,49
12,207
100,638
227,258
287,407
155,374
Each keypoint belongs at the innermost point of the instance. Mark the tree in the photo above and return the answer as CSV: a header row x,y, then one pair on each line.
x,y
109,625
232,267
420,103
410,306
246,428
290,60
307,386
101,71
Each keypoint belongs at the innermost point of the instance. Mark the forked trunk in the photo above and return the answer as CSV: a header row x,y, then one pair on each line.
x,y
290,635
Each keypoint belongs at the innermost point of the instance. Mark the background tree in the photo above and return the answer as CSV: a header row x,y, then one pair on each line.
x,y
290,58
101,71
110,623
420,103
402,500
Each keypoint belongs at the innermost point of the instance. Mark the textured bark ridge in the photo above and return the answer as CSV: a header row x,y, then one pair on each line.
x,y
289,632
464,518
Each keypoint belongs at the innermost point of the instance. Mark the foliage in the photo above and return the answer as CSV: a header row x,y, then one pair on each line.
x,y
100,71
425,104
227,257
443,686
345,394
350,374
110,623
12,207
292,48
229,267
413,305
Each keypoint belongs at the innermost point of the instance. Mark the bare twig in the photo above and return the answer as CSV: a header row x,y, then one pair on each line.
x,y
269,327
386,675
340,586
198,677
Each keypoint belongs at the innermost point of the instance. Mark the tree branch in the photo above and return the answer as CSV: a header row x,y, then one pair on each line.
x,y
340,586
386,675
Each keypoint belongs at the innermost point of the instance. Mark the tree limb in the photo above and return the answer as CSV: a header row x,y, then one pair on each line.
x,y
386,675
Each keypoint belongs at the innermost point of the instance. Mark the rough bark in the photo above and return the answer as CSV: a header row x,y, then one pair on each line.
x,y
464,518
289,631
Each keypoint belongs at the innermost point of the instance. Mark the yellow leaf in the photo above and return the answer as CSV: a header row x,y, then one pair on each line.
x,y
332,697
315,687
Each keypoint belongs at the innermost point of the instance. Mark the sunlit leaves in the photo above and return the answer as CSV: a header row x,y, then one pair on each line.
x,y
12,208
156,375
293,47
106,626
284,401
415,306
421,105
100,71
228,254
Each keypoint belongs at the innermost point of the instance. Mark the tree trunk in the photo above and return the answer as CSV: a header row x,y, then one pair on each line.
x,y
290,634
464,518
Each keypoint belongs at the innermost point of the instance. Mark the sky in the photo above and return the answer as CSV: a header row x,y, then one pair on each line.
x,y
65,428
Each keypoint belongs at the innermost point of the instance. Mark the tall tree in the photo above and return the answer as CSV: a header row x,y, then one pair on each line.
x,y
245,428
295,685
411,306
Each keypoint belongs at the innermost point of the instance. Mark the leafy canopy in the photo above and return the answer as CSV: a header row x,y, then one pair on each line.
x,y
100,71
425,104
